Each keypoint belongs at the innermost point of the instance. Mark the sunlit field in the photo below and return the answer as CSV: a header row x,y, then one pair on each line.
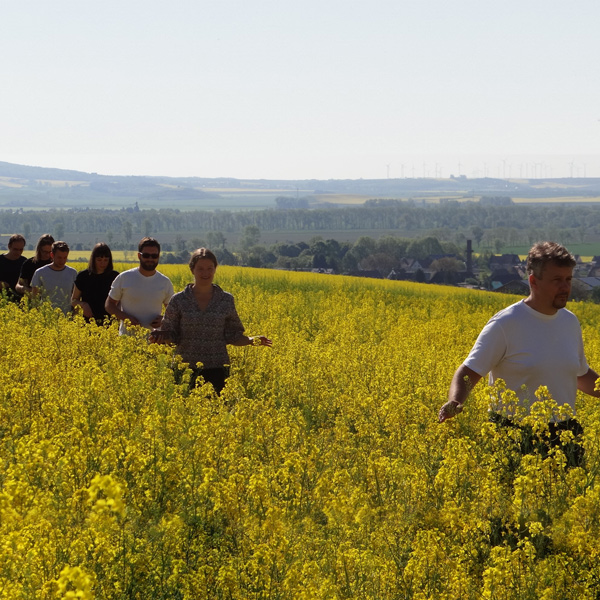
x,y
343,199
585,252
80,258
320,473
119,256
559,200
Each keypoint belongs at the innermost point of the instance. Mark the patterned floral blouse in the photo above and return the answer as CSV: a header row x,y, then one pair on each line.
x,y
203,335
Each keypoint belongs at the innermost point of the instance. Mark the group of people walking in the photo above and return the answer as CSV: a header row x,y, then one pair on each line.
x,y
201,320
535,342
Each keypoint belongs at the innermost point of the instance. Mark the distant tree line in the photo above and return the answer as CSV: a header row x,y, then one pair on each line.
x,y
403,217
496,200
237,235
366,254
289,202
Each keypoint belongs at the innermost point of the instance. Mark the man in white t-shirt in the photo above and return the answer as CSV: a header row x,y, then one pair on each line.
x,y
534,342
55,281
139,294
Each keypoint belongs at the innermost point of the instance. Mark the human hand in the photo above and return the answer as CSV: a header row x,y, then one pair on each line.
x,y
449,410
86,310
156,336
261,340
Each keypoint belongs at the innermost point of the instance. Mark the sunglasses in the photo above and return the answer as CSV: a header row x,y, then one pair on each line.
x,y
149,255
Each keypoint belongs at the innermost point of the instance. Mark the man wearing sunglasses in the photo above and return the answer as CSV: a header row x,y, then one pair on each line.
x,y
138,295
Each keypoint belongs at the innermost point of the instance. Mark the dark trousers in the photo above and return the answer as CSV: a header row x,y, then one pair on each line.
x,y
216,376
531,442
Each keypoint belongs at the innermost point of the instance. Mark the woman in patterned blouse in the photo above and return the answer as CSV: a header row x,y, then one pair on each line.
x,y
201,320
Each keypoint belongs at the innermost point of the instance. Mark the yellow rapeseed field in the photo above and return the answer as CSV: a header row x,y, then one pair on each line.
x,y
320,473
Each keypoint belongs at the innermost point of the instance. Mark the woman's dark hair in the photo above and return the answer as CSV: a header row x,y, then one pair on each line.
x,y
202,253
100,250
45,240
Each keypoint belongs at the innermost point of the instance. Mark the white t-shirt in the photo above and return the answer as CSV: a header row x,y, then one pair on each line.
x,y
140,296
527,348
55,285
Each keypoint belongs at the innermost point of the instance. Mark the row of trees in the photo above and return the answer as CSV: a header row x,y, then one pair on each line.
x,y
367,253
242,243
516,220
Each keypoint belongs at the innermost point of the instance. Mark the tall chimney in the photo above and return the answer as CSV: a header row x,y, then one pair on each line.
x,y
469,259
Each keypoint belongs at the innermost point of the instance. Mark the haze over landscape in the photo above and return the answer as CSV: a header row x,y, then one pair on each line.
x,y
282,90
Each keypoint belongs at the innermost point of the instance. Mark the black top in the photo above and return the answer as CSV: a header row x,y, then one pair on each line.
x,y
30,267
9,272
94,288
10,269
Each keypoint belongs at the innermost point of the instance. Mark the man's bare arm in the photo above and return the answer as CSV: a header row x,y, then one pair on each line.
x,y
23,286
463,382
586,383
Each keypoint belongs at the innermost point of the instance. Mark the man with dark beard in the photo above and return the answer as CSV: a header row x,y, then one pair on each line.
x,y
138,295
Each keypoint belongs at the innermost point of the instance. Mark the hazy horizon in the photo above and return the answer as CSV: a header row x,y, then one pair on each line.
x,y
515,168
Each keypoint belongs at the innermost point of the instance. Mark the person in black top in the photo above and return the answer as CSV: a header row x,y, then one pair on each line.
x,y
31,265
10,265
93,284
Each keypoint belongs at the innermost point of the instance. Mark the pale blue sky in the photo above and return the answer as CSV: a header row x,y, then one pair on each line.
x,y
321,89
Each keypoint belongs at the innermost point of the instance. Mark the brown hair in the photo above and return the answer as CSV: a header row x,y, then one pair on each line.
x,y
100,250
543,253
15,237
60,246
148,241
45,240
202,253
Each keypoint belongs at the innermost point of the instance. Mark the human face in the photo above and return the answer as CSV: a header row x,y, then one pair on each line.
x,y
46,252
101,263
59,259
15,250
552,290
149,257
204,272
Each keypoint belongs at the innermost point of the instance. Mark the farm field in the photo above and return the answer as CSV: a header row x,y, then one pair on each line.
x,y
321,472
586,251
558,200
78,259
